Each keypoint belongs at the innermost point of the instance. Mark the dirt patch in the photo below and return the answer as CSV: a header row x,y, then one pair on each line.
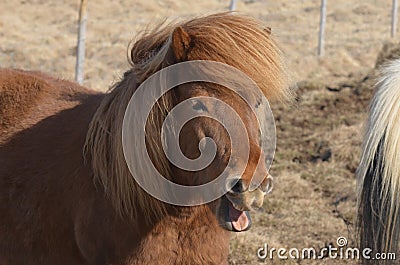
x,y
318,151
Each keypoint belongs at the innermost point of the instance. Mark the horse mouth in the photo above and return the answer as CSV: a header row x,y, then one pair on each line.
x,y
233,219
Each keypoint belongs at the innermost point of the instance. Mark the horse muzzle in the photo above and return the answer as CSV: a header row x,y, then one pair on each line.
x,y
239,201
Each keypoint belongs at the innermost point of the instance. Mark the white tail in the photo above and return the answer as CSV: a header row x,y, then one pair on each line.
x,y
379,170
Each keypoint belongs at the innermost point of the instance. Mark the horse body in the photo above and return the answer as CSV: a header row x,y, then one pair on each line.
x,y
66,194
379,170
64,218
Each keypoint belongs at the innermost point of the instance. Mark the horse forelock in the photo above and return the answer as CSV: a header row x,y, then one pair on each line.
x,y
239,41
236,40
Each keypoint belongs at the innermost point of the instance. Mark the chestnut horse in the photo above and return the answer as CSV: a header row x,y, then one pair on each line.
x,y
66,194
379,171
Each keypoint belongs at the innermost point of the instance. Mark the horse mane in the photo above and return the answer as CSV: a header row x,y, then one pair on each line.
x,y
233,39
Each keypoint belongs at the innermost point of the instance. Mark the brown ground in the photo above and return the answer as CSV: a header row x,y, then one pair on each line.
x,y
318,138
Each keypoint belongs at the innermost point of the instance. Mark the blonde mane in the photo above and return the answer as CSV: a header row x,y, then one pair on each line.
x,y
236,40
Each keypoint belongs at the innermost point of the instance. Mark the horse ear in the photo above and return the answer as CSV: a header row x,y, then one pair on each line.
x,y
180,44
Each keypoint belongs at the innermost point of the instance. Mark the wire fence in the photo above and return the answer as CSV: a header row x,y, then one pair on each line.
x,y
232,7
80,47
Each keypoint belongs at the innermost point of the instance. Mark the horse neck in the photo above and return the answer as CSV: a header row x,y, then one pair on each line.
x,y
191,234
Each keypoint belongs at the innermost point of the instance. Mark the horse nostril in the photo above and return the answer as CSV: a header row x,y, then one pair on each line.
x,y
236,186
268,185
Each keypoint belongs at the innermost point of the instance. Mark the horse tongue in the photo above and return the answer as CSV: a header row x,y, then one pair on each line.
x,y
238,218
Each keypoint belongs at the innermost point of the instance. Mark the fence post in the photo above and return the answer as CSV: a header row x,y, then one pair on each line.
x,y
232,6
322,23
394,18
80,50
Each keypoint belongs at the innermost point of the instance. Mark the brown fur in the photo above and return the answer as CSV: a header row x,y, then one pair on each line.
x,y
59,208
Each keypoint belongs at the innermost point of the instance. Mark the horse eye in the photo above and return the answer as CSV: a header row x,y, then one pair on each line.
x,y
199,106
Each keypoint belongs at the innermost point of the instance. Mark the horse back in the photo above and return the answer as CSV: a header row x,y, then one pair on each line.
x,y
27,97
